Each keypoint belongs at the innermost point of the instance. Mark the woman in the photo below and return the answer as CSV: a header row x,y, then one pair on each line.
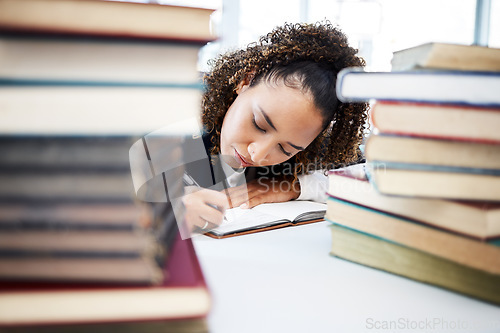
x,y
271,113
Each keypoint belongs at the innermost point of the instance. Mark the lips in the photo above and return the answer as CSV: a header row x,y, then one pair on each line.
x,y
241,159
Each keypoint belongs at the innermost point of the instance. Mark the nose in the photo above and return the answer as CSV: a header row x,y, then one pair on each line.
x,y
259,151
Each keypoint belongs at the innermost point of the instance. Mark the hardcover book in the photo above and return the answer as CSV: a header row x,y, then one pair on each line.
x,y
447,56
64,58
482,255
476,219
381,148
107,18
83,108
440,121
68,186
418,180
430,86
84,227
182,295
65,152
372,251
87,250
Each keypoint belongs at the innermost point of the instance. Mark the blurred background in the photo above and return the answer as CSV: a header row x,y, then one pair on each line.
x,y
376,27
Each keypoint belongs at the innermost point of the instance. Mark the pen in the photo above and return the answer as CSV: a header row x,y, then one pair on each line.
x,y
189,181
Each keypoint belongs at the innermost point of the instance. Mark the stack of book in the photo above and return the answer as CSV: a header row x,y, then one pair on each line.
x,y
430,206
68,211
80,83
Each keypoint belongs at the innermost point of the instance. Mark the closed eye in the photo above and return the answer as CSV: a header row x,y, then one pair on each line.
x,y
284,151
257,126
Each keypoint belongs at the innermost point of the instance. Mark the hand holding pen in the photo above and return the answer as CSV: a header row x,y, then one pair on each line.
x,y
204,207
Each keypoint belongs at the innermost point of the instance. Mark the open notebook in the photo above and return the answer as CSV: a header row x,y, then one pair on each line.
x,y
268,216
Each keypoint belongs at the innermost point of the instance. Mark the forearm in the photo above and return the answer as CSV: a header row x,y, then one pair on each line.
x,y
314,186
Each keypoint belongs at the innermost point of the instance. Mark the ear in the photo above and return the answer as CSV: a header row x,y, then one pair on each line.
x,y
245,83
241,87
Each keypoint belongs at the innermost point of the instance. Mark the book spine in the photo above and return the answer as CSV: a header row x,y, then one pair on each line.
x,y
82,270
52,186
353,77
64,153
73,33
14,82
431,167
412,134
414,264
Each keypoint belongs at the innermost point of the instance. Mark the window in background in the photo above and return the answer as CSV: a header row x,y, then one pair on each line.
x,y
376,27
380,27
361,21
258,17
241,22
494,36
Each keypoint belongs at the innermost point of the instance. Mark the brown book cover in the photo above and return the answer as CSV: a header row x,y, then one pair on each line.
x,y
268,217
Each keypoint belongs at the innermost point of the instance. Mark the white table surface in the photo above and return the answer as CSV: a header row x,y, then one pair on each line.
x,y
286,281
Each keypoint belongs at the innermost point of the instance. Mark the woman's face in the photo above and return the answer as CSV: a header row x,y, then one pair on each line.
x,y
268,124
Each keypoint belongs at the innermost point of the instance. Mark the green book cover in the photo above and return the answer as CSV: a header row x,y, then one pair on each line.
x,y
378,253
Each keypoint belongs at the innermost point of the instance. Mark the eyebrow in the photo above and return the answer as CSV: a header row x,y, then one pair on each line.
x,y
266,117
270,123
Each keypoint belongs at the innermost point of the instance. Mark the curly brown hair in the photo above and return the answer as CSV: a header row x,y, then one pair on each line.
x,y
321,44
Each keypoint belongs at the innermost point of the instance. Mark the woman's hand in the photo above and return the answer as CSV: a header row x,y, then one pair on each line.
x,y
204,208
263,190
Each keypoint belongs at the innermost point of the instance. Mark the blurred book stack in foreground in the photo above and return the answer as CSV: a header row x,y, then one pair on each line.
x,y
80,83
429,208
